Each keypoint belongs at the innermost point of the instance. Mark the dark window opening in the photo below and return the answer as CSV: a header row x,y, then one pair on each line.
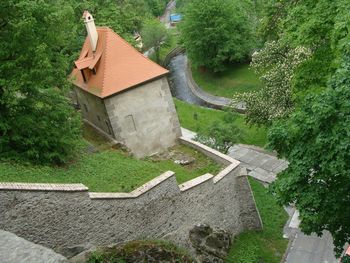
x,y
82,73
86,108
98,117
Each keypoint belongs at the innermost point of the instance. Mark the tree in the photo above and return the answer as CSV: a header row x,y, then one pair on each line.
x,y
37,122
157,7
276,65
154,35
317,25
217,31
316,141
310,33
221,135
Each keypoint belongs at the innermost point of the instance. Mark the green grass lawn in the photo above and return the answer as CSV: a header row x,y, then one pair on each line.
x,y
198,118
237,78
110,170
265,246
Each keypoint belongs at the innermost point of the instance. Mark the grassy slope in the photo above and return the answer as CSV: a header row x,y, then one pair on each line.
x,y
236,79
108,171
198,118
265,246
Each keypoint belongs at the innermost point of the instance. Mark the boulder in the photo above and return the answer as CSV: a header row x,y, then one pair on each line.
x,y
211,244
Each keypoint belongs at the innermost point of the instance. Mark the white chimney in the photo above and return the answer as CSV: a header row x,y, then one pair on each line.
x,y
91,29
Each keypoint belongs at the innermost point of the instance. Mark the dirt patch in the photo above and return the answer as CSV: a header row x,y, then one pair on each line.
x,y
184,156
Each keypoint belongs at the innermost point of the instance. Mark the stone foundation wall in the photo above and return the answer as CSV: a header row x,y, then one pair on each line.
x,y
61,216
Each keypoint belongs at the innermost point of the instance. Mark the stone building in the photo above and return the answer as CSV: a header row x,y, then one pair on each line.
x,y
123,94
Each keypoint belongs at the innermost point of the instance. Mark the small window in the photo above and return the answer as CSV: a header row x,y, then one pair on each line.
x,y
130,125
98,117
86,108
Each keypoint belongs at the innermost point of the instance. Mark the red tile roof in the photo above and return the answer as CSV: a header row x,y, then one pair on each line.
x,y
118,66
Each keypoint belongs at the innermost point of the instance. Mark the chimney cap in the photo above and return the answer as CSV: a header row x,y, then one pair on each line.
x,y
87,16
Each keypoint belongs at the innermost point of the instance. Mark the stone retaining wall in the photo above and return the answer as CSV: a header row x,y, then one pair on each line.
x,y
215,102
64,216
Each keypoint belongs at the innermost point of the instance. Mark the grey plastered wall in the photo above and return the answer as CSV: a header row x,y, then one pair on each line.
x,y
96,111
59,219
144,118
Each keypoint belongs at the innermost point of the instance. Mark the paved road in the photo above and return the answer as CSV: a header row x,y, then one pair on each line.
x,y
311,249
165,18
178,81
264,166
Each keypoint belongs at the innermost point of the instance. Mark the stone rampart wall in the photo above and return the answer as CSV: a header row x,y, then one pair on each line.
x,y
63,216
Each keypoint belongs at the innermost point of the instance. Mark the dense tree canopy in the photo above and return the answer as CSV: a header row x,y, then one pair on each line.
x,y
154,35
317,26
157,6
37,122
315,136
316,141
217,31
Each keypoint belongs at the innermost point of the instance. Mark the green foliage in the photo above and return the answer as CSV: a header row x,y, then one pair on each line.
x,y
154,35
221,135
200,119
267,245
320,25
345,259
157,7
217,31
275,64
140,251
124,16
37,122
316,141
168,46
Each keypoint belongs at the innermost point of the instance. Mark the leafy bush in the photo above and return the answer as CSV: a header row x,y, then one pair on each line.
x,y
221,135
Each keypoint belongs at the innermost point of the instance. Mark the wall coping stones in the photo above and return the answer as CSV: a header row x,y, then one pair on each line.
x,y
223,158
224,172
137,192
210,150
43,187
194,182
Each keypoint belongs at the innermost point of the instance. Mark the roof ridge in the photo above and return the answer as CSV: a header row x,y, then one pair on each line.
x,y
104,64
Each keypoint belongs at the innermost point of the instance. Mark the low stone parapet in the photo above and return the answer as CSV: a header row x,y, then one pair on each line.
x,y
62,216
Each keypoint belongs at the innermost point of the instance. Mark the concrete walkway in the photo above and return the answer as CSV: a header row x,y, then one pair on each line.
x,y
260,164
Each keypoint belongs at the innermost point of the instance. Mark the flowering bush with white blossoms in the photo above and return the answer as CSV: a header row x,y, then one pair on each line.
x,y
275,64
